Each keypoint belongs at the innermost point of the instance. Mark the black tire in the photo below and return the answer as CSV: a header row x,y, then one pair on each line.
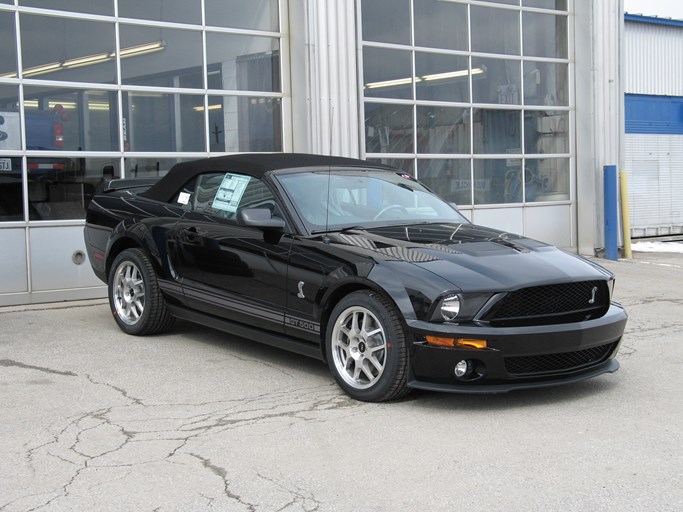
x,y
366,347
134,296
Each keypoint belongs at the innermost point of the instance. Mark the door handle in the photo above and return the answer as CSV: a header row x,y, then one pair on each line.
x,y
190,235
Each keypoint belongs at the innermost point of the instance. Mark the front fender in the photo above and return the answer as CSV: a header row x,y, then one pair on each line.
x,y
411,289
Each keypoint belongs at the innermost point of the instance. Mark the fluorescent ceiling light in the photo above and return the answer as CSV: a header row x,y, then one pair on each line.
x,y
98,106
89,60
211,107
142,49
67,105
389,83
427,78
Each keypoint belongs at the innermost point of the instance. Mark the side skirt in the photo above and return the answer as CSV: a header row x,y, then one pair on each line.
x,y
243,331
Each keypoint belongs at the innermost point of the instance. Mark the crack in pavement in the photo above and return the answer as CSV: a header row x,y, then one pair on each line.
x,y
8,363
297,496
223,475
113,436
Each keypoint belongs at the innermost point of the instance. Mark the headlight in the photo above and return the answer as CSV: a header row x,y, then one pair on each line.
x,y
610,285
450,307
458,307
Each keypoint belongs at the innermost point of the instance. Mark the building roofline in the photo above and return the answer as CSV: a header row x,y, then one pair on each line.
x,y
654,20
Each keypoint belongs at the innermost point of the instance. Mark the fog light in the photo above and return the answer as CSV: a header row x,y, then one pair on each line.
x,y
462,369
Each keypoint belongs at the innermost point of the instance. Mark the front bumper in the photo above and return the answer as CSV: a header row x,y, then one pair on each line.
x,y
517,357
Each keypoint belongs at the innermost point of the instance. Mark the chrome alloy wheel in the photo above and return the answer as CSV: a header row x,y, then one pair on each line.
x,y
359,347
129,293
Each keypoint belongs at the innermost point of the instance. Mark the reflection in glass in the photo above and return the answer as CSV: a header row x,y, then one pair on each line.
x,y
546,83
450,179
498,181
254,14
68,119
239,123
158,121
178,11
67,49
498,82
497,131
496,30
440,24
11,204
243,63
560,5
546,179
441,77
545,35
386,21
60,188
10,121
150,167
443,129
387,73
546,132
402,164
105,7
388,128
160,57
8,43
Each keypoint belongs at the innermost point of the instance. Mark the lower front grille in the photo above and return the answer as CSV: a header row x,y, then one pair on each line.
x,y
562,362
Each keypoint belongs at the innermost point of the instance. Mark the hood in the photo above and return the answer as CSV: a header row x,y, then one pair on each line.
x,y
471,257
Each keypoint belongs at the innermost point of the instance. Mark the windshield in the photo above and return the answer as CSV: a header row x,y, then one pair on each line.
x,y
363,198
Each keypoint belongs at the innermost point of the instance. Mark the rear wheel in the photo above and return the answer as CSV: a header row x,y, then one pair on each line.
x,y
136,301
366,347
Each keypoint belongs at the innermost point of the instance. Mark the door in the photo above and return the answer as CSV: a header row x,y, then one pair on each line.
x,y
227,270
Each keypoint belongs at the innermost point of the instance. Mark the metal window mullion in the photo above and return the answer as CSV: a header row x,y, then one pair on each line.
x,y
521,120
119,94
470,82
413,68
205,78
286,126
65,14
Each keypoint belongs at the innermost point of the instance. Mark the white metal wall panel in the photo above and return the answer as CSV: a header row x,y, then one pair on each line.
x,y
653,59
326,71
56,259
654,164
13,258
505,219
599,111
551,224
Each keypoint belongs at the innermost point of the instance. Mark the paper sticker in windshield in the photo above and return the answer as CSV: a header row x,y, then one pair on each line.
x,y
183,198
230,192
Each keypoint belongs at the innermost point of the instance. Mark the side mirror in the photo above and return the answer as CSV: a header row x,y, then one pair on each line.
x,y
260,218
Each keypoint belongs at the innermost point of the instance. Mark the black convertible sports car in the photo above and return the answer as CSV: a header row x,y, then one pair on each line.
x,y
355,264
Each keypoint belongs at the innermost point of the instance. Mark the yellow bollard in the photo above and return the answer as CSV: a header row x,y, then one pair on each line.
x,y
625,215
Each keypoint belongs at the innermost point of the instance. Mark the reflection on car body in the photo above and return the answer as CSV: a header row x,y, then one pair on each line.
x,y
358,265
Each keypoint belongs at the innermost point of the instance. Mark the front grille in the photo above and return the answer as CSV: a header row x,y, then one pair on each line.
x,y
552,363
550,304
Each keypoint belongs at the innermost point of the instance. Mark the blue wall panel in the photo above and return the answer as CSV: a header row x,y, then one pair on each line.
x,y
653,114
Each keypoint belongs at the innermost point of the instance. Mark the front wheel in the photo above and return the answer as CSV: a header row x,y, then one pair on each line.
x,y
366,348
136,301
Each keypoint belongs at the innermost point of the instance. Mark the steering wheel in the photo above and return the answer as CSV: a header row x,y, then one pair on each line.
x,y
388,208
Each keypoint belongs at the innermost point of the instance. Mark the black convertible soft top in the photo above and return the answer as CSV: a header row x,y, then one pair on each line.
x,y
252,164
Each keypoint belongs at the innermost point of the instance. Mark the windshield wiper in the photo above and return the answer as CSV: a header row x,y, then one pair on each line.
x,y
338,230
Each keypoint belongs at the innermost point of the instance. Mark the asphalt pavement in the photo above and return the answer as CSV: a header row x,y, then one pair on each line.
x,y
195,420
